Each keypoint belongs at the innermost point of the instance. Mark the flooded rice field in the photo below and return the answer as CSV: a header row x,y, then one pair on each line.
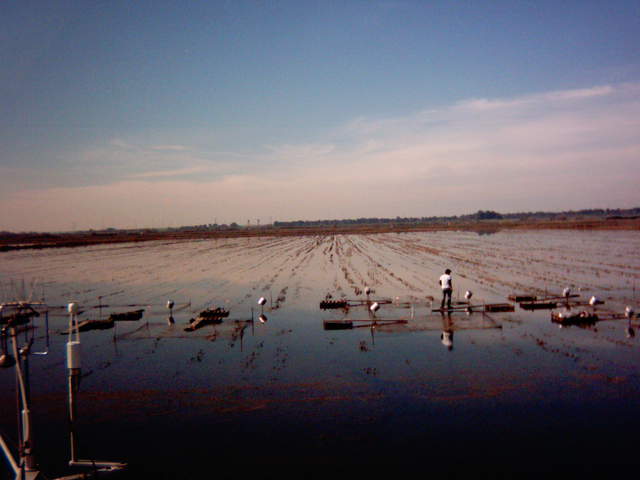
x,y
289,386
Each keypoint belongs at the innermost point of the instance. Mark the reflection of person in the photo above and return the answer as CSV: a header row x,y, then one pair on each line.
x,y
447,331
629,330
446,283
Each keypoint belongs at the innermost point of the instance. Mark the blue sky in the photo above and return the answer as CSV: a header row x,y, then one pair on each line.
x,y
174,113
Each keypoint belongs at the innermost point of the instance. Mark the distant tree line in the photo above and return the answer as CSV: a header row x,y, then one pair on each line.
x,y
479,215
205,227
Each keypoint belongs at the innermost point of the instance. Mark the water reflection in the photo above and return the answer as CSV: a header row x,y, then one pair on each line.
x,y
629,313
446,337
329,363
630,332
97,468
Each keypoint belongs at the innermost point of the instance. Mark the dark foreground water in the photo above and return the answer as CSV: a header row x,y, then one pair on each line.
x,y
511,394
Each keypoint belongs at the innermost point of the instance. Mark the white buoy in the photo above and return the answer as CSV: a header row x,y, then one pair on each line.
x,y
468,294
262,301
263,318
170,304
566,292
628,312
593,301
375,306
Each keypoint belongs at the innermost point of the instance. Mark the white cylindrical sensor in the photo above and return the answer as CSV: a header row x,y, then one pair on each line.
x,y
73,354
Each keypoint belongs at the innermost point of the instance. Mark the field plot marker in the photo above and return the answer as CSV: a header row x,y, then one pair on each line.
x,y
170,307
262,317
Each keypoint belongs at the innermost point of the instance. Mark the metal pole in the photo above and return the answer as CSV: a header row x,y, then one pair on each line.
x,y
26,448
10,459
74,375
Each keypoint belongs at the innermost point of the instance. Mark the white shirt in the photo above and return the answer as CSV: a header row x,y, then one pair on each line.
x,y
445,281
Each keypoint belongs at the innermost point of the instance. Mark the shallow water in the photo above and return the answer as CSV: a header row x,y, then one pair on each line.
x,y
515,393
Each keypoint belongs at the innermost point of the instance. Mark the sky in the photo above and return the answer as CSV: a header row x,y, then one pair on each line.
x,y
165,113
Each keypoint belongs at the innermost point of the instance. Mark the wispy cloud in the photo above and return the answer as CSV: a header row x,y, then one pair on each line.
x,y
170,148
550,150
557,98
172,173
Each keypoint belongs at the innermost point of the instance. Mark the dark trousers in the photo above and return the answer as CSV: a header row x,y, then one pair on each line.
x,y
446,295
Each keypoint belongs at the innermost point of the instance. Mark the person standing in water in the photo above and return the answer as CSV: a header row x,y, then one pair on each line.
x,y
446,283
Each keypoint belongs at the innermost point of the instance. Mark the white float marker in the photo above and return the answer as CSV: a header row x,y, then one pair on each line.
x,y
375,306
262,301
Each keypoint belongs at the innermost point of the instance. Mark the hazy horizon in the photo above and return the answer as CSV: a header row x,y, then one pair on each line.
x,y
255,223
161,114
